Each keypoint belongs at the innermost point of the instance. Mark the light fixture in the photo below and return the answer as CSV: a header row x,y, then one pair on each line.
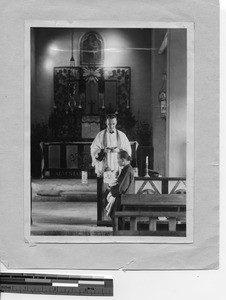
x,y
72,60
71,85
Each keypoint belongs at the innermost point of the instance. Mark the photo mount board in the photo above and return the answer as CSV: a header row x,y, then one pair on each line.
x,y
202,253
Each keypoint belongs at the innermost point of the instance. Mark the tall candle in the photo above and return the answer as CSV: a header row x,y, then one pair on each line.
x,y
147,175
80,102
103,103
127,104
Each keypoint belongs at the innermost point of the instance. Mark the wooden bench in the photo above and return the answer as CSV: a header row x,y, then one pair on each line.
x,y
151,207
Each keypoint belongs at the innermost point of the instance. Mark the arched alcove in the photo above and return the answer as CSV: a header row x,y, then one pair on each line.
x,y
91,49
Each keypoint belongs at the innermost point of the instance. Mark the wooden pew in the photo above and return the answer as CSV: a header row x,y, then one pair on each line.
x,y
151,207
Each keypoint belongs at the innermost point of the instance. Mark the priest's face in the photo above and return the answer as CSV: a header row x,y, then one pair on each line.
x,y
111,124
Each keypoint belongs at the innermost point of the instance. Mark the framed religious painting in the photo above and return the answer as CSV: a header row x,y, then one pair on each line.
x,y
91,49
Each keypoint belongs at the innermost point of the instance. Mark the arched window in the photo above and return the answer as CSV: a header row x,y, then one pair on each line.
x,y
91,49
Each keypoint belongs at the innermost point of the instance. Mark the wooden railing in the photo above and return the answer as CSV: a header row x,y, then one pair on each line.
x,y
143,185
160,185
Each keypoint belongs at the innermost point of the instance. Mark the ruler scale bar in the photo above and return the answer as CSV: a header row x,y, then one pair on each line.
x,y
50,284
64,284
91,282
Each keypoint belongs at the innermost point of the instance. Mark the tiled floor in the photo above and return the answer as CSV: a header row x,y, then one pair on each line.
x,y
65,207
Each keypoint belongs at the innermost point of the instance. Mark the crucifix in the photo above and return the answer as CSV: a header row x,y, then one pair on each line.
x,y
92,103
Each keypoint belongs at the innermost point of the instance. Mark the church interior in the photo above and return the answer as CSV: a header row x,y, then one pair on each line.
x,y
78,76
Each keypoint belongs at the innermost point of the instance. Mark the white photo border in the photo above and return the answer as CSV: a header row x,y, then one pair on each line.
x,y
189,136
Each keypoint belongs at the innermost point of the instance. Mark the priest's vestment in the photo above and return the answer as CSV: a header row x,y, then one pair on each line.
x,y
110,143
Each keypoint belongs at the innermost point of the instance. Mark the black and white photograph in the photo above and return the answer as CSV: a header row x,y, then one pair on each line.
x,y
110,145
109,126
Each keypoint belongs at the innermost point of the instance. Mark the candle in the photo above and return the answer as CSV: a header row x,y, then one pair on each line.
x,y
102,97
127,104
147,175
80,102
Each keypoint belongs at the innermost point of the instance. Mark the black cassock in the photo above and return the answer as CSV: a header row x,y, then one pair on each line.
x,y
125,185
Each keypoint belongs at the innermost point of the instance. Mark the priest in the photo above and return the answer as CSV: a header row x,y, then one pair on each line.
x,y
106,145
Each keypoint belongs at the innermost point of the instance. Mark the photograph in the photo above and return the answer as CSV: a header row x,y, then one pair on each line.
x,y
108,134
110,140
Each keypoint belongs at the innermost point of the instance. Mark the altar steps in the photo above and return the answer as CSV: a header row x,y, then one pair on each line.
x,y
66,197
66,218
71,190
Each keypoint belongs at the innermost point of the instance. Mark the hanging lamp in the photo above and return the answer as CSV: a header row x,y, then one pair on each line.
x,y
72,60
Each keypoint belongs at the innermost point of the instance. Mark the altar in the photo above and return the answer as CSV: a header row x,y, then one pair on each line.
x,y
68,159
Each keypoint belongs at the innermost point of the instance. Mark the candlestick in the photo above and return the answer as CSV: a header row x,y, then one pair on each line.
x,y
103,105
80,102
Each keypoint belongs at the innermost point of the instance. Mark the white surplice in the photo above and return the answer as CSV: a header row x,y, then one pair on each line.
x,y
103,140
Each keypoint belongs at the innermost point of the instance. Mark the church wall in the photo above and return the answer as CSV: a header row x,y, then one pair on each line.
x,y
176,156
123,47
158,66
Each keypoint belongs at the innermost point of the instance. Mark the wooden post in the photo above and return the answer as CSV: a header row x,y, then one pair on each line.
x,y
99,198
133,223
123,224
165,188
152,224
115,225
172,224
